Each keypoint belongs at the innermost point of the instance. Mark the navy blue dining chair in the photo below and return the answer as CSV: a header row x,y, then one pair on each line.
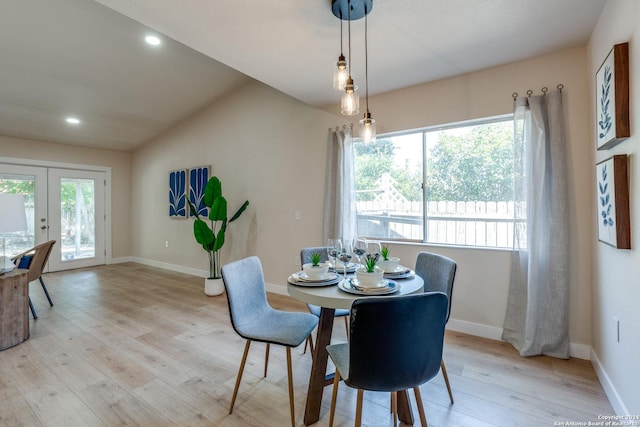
x,y
395,343
255,320
438,273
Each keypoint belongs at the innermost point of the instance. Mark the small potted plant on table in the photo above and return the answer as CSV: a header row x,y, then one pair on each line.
x,y
315,269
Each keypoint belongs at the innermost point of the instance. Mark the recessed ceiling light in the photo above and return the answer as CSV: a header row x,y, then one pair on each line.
x,y
73,120
152,40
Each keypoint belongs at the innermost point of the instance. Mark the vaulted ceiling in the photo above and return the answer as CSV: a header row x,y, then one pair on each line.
x,y
83,58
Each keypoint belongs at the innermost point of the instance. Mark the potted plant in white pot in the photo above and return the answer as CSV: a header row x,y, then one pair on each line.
x,y
212,236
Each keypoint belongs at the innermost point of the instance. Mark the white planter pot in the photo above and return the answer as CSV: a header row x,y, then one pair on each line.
x,y
213,287
369,280
389,265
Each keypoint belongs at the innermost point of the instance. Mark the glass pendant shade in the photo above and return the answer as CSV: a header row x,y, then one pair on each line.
x,y
367,128
350,99
340,73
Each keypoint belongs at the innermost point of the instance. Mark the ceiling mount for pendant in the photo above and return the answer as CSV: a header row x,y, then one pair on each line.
x,y
359,8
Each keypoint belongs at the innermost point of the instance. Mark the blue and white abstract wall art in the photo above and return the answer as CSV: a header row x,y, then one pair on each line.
x,y
198,178
178,193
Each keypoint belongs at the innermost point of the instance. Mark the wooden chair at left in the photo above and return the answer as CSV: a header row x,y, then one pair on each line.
x,y
34,260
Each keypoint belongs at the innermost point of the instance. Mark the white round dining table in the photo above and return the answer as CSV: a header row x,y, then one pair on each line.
x,y
329,298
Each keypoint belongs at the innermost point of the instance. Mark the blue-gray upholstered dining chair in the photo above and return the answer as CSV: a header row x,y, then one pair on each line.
x,y
438,273
305,257
255,320
395,343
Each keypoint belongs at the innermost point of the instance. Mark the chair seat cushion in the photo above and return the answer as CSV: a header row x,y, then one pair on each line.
x,y
279,327
339,354
25,261
315,310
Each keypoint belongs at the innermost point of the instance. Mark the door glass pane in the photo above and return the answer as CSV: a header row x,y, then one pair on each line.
x,y
77,218
20,241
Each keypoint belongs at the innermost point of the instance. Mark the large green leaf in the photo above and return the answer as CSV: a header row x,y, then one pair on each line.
x,y
203,234
212,191
218,211
239,212
219,240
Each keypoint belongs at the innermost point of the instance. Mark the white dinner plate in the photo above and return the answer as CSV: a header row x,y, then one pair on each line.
x,y
350,286
403,273
297,279
339,268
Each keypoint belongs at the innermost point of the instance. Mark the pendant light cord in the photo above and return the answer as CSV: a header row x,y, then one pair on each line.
x,y
349,26
366,59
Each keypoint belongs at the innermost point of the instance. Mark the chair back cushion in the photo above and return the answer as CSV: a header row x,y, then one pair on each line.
x,y
305,254
396,342
25,261
438,273
246,294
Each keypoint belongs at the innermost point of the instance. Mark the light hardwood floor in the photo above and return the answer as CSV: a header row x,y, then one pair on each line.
x,y
128,344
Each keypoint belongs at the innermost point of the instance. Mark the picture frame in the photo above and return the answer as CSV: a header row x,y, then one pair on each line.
x,y
178,194
612,189
198,178
612,98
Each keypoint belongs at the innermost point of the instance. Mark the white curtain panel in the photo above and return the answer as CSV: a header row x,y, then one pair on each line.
x,y
340,200
537,318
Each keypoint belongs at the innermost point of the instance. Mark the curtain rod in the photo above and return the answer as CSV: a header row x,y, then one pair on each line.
x,y
544,91
343,128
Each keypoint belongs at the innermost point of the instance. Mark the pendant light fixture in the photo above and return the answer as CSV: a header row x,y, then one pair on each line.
x,y
351,10
367,123
350,104
340,72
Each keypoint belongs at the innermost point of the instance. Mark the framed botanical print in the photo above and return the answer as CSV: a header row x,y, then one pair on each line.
x,y
612,98
613,202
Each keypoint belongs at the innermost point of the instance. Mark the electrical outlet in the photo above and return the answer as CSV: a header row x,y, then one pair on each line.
x,y
166,243
296,215
296,261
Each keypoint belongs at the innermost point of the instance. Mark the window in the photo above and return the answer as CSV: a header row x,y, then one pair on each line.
x,y
467,196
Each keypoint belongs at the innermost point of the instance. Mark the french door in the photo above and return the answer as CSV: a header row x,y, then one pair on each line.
x,y
65,205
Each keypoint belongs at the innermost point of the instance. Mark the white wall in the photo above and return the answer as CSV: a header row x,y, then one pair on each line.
x,y
270,149
616,284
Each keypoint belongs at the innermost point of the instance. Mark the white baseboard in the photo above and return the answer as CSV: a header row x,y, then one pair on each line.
x,y
607,385
476,329
121,260
580,351
172,267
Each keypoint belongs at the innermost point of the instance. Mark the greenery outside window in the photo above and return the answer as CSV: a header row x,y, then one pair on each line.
x,y
450,184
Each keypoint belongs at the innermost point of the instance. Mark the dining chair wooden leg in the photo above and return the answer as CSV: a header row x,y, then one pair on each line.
x,y
359,408
240,371
394,407
446,380
290,377
306,342
346,325
311,346
334,397
266,360
423,418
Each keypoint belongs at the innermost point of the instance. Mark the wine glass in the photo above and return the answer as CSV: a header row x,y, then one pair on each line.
x,y
334,248
359,248
345,257
373,247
